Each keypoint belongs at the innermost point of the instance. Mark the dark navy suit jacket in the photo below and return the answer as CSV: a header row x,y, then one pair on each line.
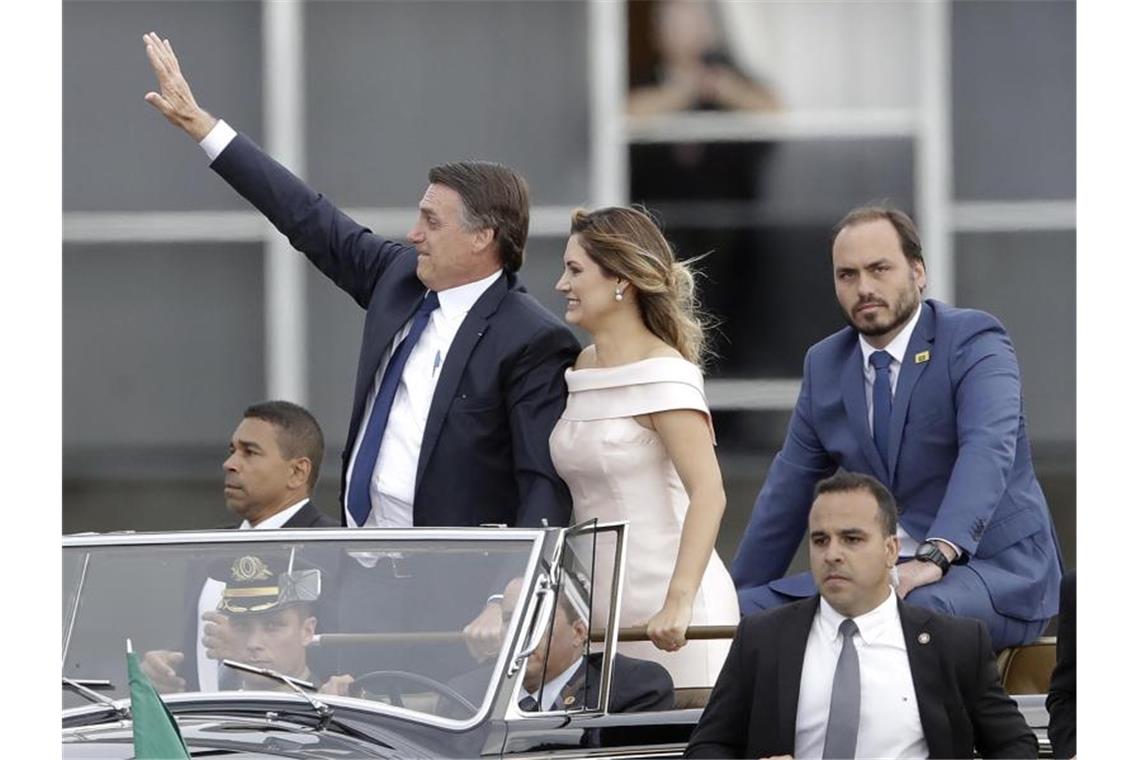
x,y
484,456
959,462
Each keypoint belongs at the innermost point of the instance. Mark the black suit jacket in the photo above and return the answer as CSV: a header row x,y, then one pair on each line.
x,y
961,704
308,516
1062,699
636,685
484,456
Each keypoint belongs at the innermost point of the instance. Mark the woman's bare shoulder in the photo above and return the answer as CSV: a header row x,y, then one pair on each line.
x,y
587,358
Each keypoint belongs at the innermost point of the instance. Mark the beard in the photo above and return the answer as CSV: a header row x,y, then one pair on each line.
x,y
897,315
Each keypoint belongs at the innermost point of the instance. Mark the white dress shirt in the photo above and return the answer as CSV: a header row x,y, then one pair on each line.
x,y
393,483
554,686
889,724
217,139
211,595
276,520
897,349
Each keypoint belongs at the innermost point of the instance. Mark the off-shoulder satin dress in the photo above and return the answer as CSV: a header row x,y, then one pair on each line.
x,y
617,469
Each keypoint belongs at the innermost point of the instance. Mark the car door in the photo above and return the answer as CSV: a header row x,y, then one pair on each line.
x,y
588,582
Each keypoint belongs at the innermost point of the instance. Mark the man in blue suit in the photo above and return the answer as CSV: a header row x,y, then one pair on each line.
x,y
926,398
461,372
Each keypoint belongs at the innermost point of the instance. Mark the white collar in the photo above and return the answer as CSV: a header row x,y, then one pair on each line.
x,y
873,626
897,347
457,301
553,688
277,519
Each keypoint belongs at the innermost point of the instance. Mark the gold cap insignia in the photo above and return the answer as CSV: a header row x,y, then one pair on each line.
x,y
922,356
250,568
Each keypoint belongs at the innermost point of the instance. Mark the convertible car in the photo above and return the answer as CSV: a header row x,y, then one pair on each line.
x,y
379,612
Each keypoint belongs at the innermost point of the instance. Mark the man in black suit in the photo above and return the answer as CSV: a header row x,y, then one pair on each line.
x,y
270,473
858,673
273,466
559,676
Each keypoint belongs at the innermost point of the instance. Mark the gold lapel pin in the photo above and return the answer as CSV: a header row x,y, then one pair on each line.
x,y
924,638
922,356
569,699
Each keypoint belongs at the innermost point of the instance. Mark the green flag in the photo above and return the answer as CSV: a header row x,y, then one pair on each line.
x,y
156,733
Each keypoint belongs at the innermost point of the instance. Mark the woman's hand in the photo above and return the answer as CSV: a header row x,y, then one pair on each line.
x,y
667,628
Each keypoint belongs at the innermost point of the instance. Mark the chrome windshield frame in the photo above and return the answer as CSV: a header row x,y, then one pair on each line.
x,y
537,537
514,713
222,536
75,608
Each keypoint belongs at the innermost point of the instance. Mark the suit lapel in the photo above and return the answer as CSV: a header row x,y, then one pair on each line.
x,y
909,372
855,402
582,688
790,649
922,652
304,517
469,334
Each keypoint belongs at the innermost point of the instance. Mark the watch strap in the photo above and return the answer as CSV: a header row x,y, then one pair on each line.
x,y
928,551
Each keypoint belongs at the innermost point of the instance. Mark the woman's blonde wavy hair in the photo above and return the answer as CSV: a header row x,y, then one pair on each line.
x,y
627,243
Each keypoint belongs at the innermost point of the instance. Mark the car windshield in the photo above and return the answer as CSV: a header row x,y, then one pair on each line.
x,y
379,618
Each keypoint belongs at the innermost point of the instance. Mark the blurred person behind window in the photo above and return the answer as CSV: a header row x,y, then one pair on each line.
x,y
705,192
694,70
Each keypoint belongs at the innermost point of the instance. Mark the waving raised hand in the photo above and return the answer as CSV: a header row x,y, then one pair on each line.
x,y
174,100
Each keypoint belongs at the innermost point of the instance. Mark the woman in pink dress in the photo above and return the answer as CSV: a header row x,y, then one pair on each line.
x,y
636,440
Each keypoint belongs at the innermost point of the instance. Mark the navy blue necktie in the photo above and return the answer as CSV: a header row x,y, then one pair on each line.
x,y
359,496
881,400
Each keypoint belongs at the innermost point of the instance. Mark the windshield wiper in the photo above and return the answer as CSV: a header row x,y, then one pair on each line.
x,y
323,711
84,687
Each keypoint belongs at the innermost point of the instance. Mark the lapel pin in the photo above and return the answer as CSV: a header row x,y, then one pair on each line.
x,y
922,356
569,699
924,638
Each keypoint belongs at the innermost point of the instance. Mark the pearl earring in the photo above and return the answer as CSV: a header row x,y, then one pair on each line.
x,y
617,294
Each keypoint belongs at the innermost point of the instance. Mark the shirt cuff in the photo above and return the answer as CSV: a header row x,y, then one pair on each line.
x,y
217,140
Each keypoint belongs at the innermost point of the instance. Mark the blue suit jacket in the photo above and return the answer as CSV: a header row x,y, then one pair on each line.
x,y
959,462
484,456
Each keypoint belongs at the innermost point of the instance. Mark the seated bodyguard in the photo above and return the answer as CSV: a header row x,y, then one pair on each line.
x,y
274,461
272,469
853,671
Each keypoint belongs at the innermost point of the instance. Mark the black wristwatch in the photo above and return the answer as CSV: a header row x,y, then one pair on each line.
x,y
928,551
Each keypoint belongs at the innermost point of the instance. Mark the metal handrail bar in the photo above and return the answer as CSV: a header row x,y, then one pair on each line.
x,y
694,633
